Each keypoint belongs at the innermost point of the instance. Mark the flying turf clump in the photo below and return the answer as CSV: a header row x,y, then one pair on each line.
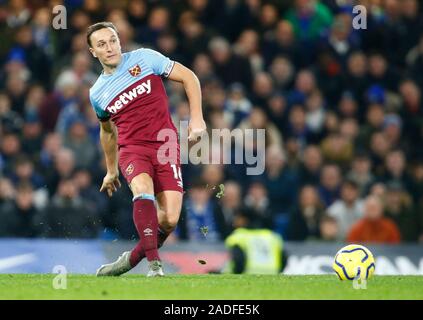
x,y
204,230
221,193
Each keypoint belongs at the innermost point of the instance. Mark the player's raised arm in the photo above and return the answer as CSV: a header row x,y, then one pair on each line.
x,y
180,73
108,139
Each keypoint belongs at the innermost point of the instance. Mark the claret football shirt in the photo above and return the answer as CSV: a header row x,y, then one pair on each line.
x,y
134,97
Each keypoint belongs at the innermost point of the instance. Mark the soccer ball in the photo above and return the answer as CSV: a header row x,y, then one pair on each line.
x,y
354,262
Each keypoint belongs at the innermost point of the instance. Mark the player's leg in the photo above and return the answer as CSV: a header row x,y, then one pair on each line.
x,y
169,209
146,222
169,205
169,193
137,169
168,187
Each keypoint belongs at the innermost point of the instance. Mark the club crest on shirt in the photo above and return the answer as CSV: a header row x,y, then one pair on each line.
x,y
129,169
135,70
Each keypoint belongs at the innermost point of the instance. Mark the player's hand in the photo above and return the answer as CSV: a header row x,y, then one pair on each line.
x,y
196,129
110,183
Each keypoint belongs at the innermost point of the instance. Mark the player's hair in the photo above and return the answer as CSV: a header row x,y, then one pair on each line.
x,y
98,26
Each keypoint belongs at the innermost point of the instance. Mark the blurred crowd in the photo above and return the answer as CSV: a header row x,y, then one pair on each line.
x,y
342,109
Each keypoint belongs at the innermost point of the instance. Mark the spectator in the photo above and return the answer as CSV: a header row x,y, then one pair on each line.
x,y
268,17
18,216
257,201
213,176
395,163
337,149
64,97
280,181
64,166
10,121
278,111
157,22
41,30
32,136
349,130
69,215
298,129
7,190
78,141
203,68
347,210
137,13
347,106
16,88
311,165
237,106
34,58
81,69
374,227
361,173
418,185
411,113
316,113
229,203
328,228
392,128
52,144
414,60
305,84
282,41
194,36
356,75
232,18
379,149
24,173
381,73
310,19
305,218
341,41
330,182
328,73
229,67
10,148
83,182
375,118
18,14
412,19
258,120
263,89
282,72
399,208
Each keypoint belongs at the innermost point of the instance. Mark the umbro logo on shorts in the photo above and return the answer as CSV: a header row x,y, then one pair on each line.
x,y
148,232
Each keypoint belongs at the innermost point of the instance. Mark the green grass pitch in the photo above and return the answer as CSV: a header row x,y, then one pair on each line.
x,y
205,287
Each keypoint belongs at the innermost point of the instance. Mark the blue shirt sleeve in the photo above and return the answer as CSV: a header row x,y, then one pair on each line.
x,y
160,64
101,114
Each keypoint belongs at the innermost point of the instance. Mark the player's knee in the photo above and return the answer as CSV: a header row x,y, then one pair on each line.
x,y
139,186
138,189
169,221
